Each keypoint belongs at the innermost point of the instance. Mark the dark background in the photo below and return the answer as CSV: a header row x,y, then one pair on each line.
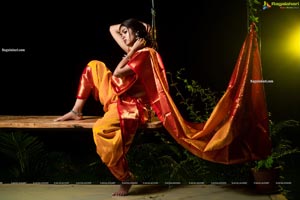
x,y
61,39
205,38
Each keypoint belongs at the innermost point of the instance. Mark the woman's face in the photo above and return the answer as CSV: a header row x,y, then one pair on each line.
x,y
128,36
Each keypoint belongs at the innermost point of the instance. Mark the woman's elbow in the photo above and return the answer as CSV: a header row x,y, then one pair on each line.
x,y
116,74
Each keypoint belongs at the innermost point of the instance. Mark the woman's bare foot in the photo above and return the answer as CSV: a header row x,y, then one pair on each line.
x,y
125,187
72,115
123,190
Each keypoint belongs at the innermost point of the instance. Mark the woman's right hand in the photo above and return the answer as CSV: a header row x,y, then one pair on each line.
x,y
139,44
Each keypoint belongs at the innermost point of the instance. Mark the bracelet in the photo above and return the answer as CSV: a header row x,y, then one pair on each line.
x,y
76,113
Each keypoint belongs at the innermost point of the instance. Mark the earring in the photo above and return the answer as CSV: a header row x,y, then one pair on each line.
x,y
137,35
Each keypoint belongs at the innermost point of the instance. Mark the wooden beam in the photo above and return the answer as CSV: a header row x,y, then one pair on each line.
x,y
47,122
9,121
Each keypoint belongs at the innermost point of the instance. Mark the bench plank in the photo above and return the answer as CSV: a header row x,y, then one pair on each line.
x,y
19,121
9,121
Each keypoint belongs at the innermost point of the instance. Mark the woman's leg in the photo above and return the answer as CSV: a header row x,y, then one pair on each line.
x,y
75,113
110,146
121,171
85,87
95,76
96,79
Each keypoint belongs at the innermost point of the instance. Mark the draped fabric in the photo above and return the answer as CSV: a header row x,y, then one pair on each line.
x,y
236,131
113,136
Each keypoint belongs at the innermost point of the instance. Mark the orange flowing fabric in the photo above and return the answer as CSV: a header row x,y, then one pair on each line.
x,y
114,132
237,130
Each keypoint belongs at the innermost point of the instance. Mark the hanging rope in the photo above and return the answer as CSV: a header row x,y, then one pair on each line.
x,y
153,25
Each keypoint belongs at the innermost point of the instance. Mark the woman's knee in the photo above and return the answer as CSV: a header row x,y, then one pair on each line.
x,y
95,63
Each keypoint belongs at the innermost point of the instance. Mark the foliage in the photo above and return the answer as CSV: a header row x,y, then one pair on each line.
x,y
158,158
26,159
281,146
282,151
26,153
197,101
253,11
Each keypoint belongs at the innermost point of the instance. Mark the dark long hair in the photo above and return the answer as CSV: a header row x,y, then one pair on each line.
x,y
140,30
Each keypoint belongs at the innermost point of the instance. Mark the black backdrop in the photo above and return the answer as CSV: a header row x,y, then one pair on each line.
x,y
59,40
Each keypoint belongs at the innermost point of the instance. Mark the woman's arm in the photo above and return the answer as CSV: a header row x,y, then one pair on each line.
x,y
122,68
115,33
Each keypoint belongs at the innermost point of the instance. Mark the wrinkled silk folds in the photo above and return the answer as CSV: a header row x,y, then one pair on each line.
x,y
237,130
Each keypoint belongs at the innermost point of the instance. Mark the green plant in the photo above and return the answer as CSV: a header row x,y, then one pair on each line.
x,y
281,146
26,155
164,159
198,102
271,169
253,10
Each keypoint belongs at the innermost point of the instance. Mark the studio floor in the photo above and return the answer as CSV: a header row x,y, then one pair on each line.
x,y
153,192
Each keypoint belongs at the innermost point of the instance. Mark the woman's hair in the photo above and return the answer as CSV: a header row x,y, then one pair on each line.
x,y
139,29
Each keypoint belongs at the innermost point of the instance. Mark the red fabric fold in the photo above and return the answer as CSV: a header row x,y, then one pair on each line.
x,y
238,128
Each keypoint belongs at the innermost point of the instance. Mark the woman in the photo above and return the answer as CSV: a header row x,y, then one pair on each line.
x,y
236,131
122,95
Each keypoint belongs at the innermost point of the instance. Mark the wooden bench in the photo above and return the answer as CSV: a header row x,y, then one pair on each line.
x,y
47,122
